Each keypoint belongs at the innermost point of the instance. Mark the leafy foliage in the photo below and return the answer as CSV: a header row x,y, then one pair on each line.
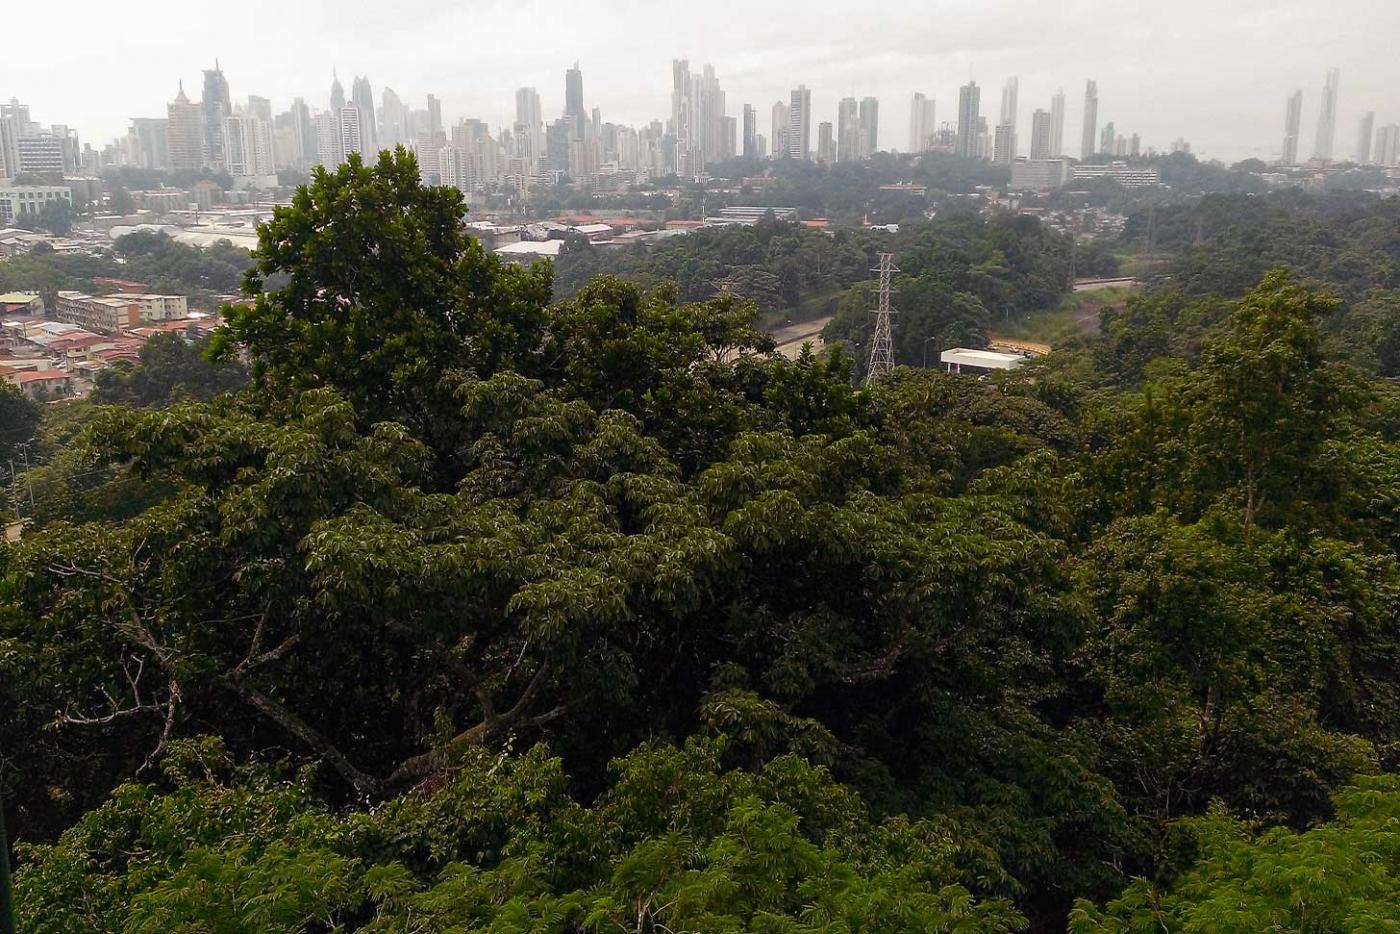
x,y
483,611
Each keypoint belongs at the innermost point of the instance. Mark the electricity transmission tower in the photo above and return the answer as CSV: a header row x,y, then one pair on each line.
x,y
881,344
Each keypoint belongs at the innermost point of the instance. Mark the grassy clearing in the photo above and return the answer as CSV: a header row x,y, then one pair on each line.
x,y
1077,314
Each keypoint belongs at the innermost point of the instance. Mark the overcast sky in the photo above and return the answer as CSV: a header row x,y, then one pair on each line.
x,y
1213,71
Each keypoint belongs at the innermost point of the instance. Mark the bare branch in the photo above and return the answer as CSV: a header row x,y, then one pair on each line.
x,y
271,655
303,731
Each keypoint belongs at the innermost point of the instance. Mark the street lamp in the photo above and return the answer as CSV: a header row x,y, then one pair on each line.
x,y
926,340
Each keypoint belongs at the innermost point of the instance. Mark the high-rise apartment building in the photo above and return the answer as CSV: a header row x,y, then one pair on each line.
x,y
969,144
1108,139
326,125
921,123
1057,124
305,129
869,126
826,146
1363,138
782,113
800,124
1004,144
1042,131
217,106
848,130
351,132
750,149
1388,146
184,134
1327,117
248,147
1091,120
1292,127
147,143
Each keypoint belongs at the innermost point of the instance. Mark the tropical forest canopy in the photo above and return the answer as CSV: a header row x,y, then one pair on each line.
x,y
487,608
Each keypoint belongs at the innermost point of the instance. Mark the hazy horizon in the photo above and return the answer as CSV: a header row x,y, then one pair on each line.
x,y
1216,76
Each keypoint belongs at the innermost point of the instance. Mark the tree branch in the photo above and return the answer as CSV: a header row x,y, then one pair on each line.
x,y
303,731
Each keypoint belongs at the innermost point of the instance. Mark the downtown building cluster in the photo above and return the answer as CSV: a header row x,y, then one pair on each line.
x,y
1377,146
248,141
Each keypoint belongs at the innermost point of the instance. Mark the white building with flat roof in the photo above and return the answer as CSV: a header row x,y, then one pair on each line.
x,y
19,200
961,359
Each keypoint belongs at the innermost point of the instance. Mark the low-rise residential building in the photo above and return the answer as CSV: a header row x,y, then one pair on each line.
x,y
43,384
21,303
102,315
156,307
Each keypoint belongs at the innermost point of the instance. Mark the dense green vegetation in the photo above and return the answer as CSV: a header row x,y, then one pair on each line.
x,y
168,368
485,609
958,272
165,266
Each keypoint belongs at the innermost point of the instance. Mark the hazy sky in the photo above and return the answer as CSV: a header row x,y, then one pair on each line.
x,y
1214,71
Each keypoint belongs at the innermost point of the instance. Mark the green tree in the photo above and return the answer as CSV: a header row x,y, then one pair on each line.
x,y
1343,875
169,368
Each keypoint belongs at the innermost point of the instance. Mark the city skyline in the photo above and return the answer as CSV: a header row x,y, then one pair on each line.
x,y
627,59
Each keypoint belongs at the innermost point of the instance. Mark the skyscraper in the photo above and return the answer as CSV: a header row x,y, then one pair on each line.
x,y
697,117
869,126
260,107
184,134
305,129
1363,138
848,130
1091,120
800,123
393,120
1010,93
363,97
529,129
782,113
1327,117
1057,124
1042,130
969,144
750,132
434,115
573,96
921,123
1292,127
728,130
216,106
337,95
